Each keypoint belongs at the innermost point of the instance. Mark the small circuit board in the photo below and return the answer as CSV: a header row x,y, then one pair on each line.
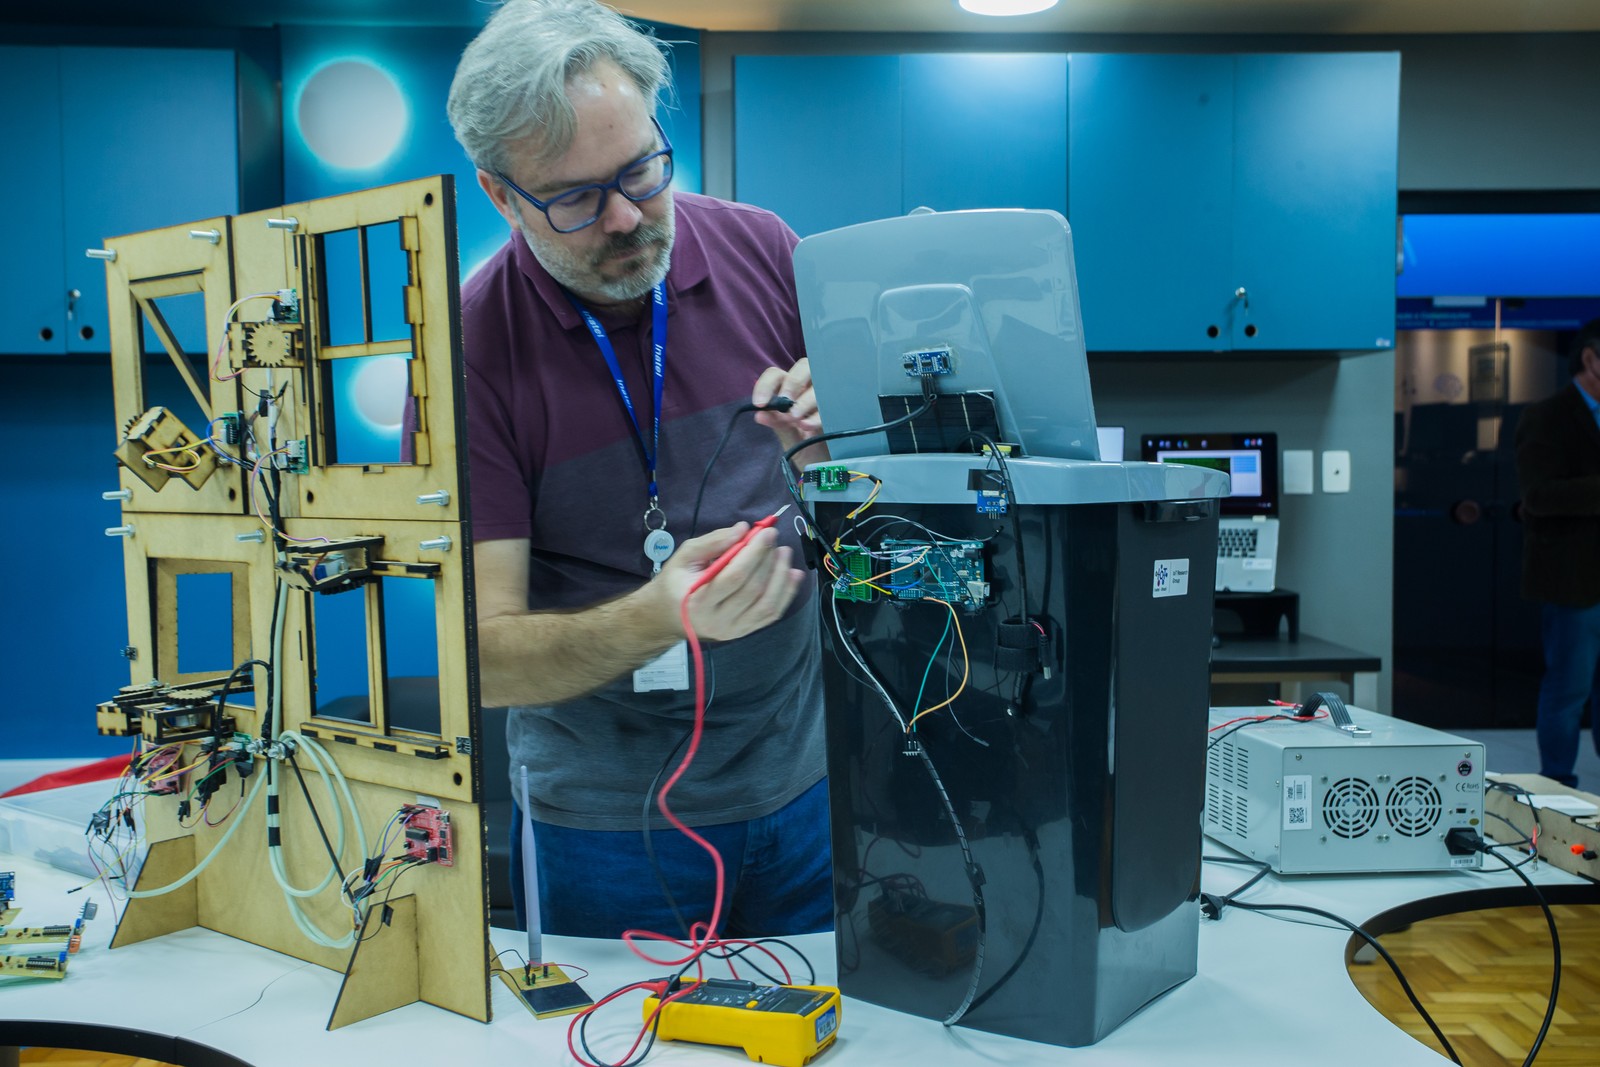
x,y
547,991
854,583
43,965
785,1025
830,479
427,836
69,934
928,361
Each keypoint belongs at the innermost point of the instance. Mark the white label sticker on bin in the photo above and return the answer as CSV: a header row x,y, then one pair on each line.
x,y
1171,578
1297,802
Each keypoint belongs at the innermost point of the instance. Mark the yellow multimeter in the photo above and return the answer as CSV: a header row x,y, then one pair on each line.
x,y
784,1025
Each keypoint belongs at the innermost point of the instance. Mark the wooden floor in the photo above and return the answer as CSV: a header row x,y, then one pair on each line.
x,y
1484,976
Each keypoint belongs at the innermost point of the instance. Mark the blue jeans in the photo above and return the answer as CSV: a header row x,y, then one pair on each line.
x,y
598,883
1571,683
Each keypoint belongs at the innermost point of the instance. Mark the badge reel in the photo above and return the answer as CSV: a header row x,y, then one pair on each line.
x,y
670,670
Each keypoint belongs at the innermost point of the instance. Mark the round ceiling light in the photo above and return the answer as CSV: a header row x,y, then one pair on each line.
x,y
1007,7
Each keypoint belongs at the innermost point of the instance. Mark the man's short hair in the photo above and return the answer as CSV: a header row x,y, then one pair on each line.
x,y
1588,336
510,87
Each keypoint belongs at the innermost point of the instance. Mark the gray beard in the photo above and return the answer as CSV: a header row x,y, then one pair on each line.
x,y
578,274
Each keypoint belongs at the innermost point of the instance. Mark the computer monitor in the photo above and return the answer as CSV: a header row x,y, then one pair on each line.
x,y
981,306
1249,459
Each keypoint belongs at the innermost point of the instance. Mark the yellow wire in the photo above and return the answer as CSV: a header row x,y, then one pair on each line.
x,y
966,666
897,570
877,487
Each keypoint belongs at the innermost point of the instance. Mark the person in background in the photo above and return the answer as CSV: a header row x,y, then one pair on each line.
x,y
1558,465
609,344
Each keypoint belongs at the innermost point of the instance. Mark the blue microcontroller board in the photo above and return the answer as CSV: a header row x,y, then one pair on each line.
x,y
951,571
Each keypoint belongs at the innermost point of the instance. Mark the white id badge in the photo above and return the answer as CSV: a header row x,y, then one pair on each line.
x,y
670,670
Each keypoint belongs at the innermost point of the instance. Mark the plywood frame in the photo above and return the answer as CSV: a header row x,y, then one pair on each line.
x,y
441,918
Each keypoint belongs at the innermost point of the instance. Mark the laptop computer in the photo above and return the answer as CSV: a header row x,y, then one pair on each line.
x,y
1247,538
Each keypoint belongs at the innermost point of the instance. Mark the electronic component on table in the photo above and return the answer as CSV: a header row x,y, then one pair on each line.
x,y
8,886
786,1025
547,991
926,361
160,437
427,835
69,934
46,965
952,571
930,936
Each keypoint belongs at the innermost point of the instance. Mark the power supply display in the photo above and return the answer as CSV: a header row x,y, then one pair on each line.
x,y
1308,797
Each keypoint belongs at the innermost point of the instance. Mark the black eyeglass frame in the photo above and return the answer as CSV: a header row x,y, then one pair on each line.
x,y
603,187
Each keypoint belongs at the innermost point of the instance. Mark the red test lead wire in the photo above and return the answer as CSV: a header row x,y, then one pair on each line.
x,y
716,568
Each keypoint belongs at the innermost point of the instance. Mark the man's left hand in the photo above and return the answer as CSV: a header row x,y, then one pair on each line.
x,y
800,421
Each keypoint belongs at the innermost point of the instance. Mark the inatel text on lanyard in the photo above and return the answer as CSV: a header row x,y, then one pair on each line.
x,y
658,543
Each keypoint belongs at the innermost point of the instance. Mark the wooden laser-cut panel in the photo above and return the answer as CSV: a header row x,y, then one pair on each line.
x,y
219,527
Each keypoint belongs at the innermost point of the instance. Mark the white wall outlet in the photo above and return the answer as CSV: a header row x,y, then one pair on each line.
x,y
1336,471
1297,478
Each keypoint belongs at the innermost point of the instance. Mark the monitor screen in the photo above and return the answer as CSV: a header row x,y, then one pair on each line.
x,y
1249,459
979,307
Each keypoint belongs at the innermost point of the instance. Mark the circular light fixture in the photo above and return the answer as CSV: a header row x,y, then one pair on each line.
x,y
352,114
1007,7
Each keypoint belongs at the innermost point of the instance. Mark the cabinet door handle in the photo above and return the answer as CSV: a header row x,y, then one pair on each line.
x,y
72,301
1240,294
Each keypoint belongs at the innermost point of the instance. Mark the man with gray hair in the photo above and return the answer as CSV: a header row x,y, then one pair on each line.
x,y
609,343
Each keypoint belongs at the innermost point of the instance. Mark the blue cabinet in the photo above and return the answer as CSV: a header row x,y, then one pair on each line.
x,y
829,141
1235,202
112,141
817,138
32,272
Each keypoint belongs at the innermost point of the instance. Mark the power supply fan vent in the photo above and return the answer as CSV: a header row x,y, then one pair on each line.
x,y
1350,807
1230,764
1414,807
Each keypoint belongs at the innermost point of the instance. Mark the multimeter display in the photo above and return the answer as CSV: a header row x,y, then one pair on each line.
x,y
777,1024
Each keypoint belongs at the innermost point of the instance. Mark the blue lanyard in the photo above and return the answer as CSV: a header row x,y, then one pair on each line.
x,y
658,365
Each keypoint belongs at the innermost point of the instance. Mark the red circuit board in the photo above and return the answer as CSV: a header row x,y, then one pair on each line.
x,y
427,835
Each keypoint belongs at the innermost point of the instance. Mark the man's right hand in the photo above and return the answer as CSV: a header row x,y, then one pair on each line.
x,y
751,592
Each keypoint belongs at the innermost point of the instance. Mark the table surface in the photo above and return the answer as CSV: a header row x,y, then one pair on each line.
x,y
1268,655
1269,991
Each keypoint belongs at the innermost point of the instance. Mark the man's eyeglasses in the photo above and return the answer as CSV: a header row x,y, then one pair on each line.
x,y
638,181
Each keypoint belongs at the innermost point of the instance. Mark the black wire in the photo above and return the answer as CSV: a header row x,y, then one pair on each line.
x,y
638,1057
974,872
930,398
1256,722
1390,960
295,766
222,696
1038,920
376,926
724,953
1011,509
644,832
1555,949
777,403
